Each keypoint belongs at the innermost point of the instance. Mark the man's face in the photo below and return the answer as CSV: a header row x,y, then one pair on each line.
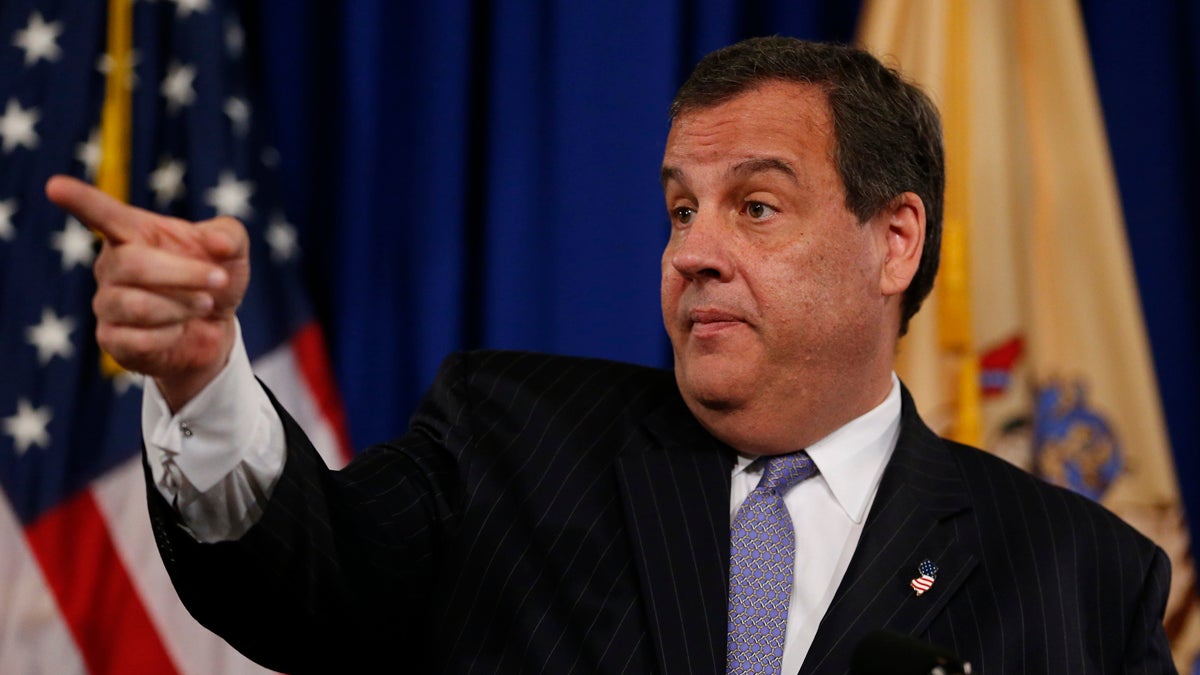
x,y
770,286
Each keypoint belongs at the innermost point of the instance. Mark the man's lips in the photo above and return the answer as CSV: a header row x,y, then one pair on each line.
x,y
709,322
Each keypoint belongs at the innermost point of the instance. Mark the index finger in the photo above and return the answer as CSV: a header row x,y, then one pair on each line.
x,y
116,220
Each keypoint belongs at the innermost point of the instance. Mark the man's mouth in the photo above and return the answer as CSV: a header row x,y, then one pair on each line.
x,y
712,322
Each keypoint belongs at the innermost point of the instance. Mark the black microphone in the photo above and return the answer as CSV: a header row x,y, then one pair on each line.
x,y
885,652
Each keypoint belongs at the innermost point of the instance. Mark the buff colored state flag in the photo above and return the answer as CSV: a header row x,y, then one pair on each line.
x,y
1032,344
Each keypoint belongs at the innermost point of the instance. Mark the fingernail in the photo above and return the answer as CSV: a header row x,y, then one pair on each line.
x,y
204,303
217,278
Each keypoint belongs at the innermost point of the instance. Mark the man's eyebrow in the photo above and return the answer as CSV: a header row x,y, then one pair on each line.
x,y
741,169
670,173
761,164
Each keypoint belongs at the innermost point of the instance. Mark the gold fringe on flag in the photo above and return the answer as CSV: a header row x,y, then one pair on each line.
x,y
954,320
116,119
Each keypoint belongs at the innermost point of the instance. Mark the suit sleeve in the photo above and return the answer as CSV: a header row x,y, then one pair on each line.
x,y
341,563
1147,650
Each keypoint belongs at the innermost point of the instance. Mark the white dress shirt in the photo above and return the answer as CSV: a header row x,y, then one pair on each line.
x,y
828,511
218,458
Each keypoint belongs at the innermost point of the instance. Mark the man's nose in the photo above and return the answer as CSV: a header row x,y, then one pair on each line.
x,y
703,250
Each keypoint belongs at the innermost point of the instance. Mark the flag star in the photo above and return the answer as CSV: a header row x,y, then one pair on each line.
x,y
107,64
76,243
17,126
238,112
39,39
127,379
177,86
28,426
281,237
235,38
52,336
88,154
8,208
184,8
231,197
167,181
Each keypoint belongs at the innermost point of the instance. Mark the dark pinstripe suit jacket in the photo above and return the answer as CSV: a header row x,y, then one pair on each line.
x,y
555,515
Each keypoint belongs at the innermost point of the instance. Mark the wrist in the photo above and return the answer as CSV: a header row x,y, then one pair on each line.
x,y
179,388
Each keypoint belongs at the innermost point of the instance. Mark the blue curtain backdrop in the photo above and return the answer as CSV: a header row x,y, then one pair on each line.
x,y
474,173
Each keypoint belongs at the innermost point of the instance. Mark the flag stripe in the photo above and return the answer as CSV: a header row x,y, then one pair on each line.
x,y
288,371
33,636
121,497
80,562
308,346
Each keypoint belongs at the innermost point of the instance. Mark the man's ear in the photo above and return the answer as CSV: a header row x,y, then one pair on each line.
x,y
901,226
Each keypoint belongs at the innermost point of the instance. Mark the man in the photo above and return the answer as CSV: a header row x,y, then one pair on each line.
x,y
549,514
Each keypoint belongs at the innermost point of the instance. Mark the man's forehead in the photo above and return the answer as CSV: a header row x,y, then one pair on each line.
x,y
808,98
779,127
755,121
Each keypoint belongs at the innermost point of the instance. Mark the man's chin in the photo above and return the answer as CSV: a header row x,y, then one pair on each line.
x,y
710,387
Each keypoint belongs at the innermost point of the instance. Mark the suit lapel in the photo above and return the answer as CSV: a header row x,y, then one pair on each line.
x,y
674,481
910,521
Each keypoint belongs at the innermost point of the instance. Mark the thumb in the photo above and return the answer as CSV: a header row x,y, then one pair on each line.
x,y
224,239
227,244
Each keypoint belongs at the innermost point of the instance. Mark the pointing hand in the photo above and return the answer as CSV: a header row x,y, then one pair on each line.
x,y
167,290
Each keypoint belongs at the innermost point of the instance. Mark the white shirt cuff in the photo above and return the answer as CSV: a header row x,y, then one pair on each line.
x,y
230,423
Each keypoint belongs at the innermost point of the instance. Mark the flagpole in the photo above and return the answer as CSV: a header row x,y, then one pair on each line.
x,y
116,118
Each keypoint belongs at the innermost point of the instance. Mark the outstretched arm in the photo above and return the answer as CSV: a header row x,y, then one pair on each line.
x,y
166,297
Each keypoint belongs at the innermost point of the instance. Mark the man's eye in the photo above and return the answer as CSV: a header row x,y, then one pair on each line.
x,y
758,210
683,215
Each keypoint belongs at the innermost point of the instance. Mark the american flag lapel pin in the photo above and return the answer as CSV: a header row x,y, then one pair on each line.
x,y
927,571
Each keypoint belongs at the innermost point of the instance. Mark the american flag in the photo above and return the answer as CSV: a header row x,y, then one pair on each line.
x,y
928,572
81,586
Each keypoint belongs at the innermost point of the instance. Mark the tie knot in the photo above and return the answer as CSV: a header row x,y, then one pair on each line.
x,y
781,472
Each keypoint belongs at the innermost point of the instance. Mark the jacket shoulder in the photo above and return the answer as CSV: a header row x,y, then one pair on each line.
x,y
1030,502
495,373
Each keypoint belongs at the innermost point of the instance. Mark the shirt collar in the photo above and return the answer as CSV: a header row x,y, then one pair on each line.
x,y
852,458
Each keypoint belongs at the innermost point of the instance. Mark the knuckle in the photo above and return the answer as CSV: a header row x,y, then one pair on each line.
x,y
232,228
102,303
106,337
102,267
226,223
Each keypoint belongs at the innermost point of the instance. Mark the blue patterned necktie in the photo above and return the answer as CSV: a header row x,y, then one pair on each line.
x,y
762,549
